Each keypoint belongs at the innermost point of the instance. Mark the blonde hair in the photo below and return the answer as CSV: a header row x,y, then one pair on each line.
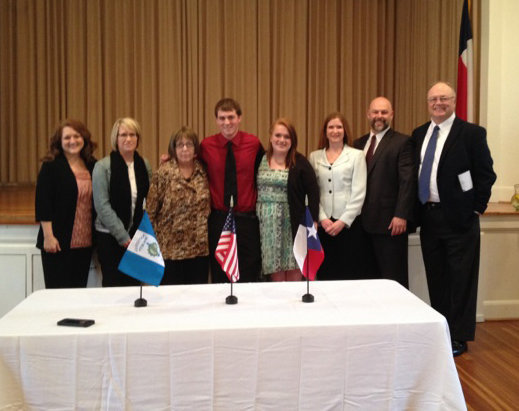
x,y
129,123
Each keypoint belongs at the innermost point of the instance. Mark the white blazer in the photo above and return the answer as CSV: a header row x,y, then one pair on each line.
x,y
342,184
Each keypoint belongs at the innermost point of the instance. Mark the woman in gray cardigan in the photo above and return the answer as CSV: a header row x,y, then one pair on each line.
x,y
120,183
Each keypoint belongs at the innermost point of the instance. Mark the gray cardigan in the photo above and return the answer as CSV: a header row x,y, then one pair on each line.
x,y
107,220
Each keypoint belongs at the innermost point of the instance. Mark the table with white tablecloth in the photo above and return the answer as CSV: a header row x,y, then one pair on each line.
x,y
366,345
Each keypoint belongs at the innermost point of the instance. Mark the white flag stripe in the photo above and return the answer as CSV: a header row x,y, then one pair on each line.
x,y
140,243
300,246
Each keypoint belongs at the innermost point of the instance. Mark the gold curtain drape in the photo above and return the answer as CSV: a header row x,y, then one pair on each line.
x,y
167,62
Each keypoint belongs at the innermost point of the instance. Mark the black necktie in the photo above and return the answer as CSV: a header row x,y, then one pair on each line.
x,y
371,149
230,185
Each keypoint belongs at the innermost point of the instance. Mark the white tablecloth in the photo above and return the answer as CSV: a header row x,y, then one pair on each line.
x,y
366,345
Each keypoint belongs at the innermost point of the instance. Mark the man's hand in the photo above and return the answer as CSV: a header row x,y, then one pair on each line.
x,y
398,226
164,158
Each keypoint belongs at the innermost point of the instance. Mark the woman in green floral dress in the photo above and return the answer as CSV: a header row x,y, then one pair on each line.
x,y
285,177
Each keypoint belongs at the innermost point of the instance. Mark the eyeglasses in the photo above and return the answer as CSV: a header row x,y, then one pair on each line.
x,y
124,135
441,99
187,145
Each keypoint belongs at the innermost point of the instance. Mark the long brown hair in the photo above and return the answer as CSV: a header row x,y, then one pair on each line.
x,y
323,140
290,159
56,149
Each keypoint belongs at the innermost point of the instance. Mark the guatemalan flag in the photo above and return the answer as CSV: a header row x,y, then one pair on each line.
x,y
307,248
465,93
143,259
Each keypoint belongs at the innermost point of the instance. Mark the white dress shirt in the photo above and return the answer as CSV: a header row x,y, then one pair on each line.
x,y
378,136
444,131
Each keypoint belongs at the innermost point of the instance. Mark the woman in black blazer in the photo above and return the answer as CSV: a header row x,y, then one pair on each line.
x,y
64,206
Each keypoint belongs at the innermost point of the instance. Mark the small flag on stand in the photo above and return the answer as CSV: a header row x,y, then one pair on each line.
x,y
465,92
308,252
143,259
226,252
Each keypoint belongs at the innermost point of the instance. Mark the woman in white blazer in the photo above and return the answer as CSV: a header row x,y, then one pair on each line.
x,y
341,174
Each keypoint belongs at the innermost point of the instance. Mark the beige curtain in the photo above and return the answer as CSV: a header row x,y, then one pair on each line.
x,y
167,62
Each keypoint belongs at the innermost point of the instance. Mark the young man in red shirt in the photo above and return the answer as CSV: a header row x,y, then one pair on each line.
x,y
234,176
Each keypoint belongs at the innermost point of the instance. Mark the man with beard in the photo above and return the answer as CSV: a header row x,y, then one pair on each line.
x,y
390,194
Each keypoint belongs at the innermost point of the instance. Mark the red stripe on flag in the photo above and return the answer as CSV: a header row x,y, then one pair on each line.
x,y
461,100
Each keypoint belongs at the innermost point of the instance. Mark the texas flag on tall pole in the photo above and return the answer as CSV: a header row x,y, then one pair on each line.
x,y
308,252
465,92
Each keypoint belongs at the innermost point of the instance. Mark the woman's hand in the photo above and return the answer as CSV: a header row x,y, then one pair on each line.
x,y
51,244
326,224
333,228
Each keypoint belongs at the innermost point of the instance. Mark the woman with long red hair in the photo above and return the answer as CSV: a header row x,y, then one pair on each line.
x,y
285,178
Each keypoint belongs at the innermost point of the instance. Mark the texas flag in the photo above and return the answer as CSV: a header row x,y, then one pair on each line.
x,y
143,259
465,93
308,251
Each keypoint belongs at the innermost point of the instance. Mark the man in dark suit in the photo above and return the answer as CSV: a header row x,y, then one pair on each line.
x,y
390,192
455,178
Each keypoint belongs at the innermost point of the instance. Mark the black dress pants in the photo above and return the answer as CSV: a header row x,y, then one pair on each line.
x,y
110,253
451,259
344,254
391,256
67,268
187,271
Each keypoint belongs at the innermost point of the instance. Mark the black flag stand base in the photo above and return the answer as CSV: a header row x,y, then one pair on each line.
x,y
140,302
308,298
231,299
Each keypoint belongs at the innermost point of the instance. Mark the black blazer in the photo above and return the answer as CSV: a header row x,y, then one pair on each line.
x,y
56,198
465,149
391,184
302,182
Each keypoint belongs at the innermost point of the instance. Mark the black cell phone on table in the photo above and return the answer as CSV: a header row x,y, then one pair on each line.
x,y
76,322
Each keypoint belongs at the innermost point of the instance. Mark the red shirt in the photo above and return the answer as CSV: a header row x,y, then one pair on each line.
x,y
247,148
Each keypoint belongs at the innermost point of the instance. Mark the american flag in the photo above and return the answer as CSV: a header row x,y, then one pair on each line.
x,y
227,249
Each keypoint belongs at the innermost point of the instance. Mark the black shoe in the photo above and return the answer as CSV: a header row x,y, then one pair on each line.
x,y
458,347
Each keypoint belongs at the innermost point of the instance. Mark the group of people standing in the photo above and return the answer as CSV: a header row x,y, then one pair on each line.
x,y
362,197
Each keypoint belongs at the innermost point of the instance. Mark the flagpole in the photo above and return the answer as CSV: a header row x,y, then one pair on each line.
x,y
307,298
140,302
231,299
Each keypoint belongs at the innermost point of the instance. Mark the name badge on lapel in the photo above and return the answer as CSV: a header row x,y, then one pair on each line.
x,y
465,181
